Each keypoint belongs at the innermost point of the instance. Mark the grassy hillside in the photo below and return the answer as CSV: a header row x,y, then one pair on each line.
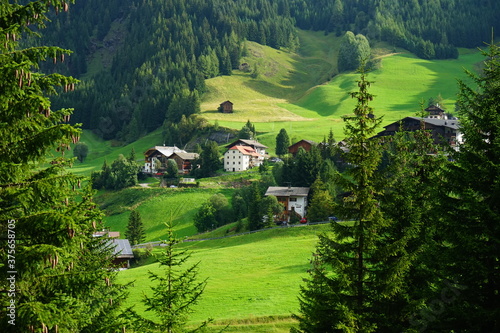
x,y
291,92
156,206
251,278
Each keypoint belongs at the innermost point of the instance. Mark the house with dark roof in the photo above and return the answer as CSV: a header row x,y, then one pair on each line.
x,y
184,161
244,154
443,131
226,107
122,252
293,199
156,158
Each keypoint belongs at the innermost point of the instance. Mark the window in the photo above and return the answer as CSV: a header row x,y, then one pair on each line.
x,y
293,199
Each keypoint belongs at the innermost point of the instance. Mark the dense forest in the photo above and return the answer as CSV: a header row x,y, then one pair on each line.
x,y
144,62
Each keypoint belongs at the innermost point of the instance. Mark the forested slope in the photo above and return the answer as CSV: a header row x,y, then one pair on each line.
x,y
144,62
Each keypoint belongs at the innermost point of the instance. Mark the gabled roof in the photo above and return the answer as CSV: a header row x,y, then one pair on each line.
x,y
278,191
166,151
245,150
122,248
434,107
226,102
312,143
185,156
251,143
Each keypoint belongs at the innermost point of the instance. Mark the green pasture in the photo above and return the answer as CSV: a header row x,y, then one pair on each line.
x,y
100,151
156,206
295,91
253,280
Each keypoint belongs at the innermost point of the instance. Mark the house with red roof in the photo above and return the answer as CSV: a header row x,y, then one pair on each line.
x,y
242,155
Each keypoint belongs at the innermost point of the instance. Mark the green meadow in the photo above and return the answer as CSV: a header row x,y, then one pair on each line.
x,y
253,280
303,93
156,206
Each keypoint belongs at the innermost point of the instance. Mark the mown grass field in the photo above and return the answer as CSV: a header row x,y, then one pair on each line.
x,y
156,206
253,280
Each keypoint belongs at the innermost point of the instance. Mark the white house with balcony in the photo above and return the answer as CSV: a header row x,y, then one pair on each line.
x,y
293,199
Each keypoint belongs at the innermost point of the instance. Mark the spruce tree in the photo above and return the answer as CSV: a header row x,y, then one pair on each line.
x,y
342,286
282,143
176,291
59,274
471,231
135,228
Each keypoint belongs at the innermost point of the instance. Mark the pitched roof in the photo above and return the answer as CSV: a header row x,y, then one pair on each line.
x,y
122,248
312,143
164,150
245,150
252,143
279,191
186,156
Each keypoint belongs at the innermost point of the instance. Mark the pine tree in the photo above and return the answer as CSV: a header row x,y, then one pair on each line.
x,y
254,212
343,267
411,181
135,232
177,289
282,143
61,278
471,229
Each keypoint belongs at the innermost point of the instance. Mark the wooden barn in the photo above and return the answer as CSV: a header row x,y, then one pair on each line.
x,y
306,144
226,107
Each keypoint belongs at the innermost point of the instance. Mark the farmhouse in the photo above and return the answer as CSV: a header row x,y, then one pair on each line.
x,y
184,161
306,144
122,251
156,159
443,131
243,155
226,107
293,199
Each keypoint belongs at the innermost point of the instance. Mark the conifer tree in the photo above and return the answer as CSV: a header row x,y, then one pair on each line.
x,y
135,228
58,273
177,289
471,230
282,143
342,285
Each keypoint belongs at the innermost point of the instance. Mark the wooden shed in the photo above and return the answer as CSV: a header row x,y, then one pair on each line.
x,y
226,107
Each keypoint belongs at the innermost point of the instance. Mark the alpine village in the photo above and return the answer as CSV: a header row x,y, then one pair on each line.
x,y
307,166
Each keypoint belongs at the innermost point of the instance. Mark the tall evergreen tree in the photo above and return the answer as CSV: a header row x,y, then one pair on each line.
x,y
210,159
342,287
282,143
135,232
55,271
471,230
